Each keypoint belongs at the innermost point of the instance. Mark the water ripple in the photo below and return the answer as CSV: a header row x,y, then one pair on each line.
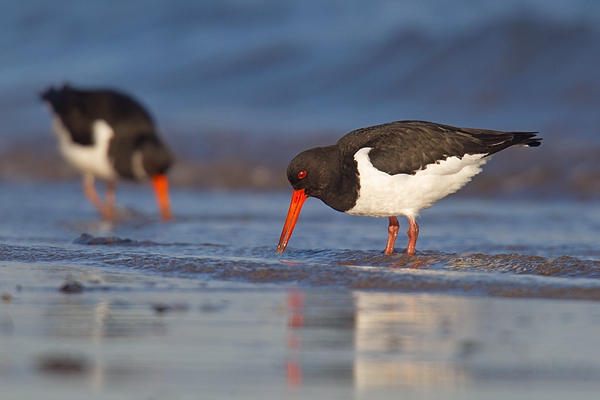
x,y
505,275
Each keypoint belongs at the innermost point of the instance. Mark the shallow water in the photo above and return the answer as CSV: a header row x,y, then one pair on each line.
x,y
504,247
500,300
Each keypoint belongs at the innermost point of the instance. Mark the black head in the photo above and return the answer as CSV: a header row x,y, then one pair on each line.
x,y
323,173
310,173
314,170
156,157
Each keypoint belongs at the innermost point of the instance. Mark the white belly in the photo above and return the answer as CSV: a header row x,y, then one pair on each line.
x,y
384,195
91,160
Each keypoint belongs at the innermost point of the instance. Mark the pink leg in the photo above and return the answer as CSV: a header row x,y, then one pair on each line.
x,y
111,201
392,233
90,192
413,234
92,195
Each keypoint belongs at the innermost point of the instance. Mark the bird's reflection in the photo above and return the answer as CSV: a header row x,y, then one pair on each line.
x,y
404,340
370,339
320,337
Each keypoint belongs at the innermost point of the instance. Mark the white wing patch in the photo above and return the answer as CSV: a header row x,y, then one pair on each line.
x,y
91,160
384,195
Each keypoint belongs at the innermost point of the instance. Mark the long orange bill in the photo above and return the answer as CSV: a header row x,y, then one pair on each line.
x,y
161,189
298,198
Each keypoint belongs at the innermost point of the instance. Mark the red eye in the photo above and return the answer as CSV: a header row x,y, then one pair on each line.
x,y
301,174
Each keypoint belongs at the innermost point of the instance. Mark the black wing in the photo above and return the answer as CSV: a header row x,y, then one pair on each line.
x,y
78,109
405,147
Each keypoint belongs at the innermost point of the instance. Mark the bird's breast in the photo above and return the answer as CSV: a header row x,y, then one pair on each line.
x,y
92,159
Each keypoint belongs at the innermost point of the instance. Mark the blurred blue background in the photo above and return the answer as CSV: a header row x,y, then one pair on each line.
x,y
240,85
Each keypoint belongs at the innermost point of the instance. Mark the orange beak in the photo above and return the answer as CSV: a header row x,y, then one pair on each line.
x,y
161,189
298,198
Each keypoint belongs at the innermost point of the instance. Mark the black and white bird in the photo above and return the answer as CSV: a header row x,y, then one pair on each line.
x,y
398,168
108,135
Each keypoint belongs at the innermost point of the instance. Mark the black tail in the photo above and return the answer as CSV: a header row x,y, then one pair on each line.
x,y
527,139
496,141
524,139
56,97
49,95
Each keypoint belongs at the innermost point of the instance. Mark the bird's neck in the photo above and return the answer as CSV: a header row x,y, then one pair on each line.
x,y
344,184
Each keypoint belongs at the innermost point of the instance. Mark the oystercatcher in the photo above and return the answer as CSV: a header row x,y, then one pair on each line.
x,y
108,135
398,168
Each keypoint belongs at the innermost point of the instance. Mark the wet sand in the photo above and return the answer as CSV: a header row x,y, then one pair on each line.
x,y
127,335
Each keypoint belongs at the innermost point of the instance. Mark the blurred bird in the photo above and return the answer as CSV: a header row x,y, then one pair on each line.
x,y
108,135
398,168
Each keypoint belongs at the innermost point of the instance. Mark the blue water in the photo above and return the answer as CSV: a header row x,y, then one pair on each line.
x,y
237,85
483,247
286,68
